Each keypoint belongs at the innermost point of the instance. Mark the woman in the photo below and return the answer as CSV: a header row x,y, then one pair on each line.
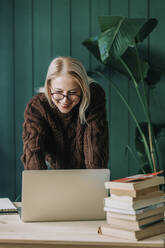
x,y
65,125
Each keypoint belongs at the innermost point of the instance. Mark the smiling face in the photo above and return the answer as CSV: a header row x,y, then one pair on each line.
x,y
65,86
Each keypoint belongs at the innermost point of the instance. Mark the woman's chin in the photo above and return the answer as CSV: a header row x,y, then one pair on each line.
x,y
65,109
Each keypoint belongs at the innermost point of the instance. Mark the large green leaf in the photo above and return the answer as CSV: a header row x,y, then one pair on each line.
x,y
129,58
92,45
117,40
118,33
116,47
153,76
146,29
106,21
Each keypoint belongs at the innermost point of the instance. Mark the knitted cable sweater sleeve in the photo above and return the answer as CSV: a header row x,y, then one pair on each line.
x,y
33,136
96,140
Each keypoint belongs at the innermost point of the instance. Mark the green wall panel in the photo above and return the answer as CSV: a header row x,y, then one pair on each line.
x,y
23,74
61,28
157,57
97,9
119,129
7,118
41,41
80,30
136,11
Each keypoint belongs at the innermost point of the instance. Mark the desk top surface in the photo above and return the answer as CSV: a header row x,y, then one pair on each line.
x,y
63,234
13,230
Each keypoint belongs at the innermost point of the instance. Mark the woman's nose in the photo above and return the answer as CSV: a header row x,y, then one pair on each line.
x,y
65,99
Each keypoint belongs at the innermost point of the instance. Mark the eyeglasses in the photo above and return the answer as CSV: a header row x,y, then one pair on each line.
x,y
69,96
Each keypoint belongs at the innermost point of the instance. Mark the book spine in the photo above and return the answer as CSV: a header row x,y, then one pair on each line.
x,y
110,202
135,217
133,212
135,225
137,185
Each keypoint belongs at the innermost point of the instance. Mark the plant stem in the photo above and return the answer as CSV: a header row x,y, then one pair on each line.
x,y
136,87
151,147
146,103
133,116
151,138
150,154
134,156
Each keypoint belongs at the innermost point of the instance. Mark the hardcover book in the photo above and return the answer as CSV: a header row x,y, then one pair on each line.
x,y
125,198
134,211
135,193
135,225
132,205
135,217
140,234
135,183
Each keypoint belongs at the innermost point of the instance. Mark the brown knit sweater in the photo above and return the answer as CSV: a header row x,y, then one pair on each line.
x,y
60,139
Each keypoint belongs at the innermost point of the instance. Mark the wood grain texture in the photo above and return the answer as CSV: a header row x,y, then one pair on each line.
x,y
64,234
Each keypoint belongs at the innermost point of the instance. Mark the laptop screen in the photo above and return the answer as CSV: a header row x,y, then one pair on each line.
x,y
64,195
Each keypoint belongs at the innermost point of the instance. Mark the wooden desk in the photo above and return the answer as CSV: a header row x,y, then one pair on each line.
x,y
80,234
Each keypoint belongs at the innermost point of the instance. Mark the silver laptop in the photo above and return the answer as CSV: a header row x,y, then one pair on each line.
x,y
63,195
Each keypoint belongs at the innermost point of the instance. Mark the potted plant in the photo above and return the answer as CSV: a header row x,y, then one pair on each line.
x,y
116,47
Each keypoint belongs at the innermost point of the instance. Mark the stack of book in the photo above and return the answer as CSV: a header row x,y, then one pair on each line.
x,y
135,208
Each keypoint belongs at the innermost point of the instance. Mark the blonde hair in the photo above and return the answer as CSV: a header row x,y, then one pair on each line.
x,y
68,65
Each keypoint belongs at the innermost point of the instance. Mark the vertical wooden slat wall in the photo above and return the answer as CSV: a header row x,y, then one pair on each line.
x,y
7,95
119,125
23,76
41,40
157,56
136,11
61,28
80,28
33,32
